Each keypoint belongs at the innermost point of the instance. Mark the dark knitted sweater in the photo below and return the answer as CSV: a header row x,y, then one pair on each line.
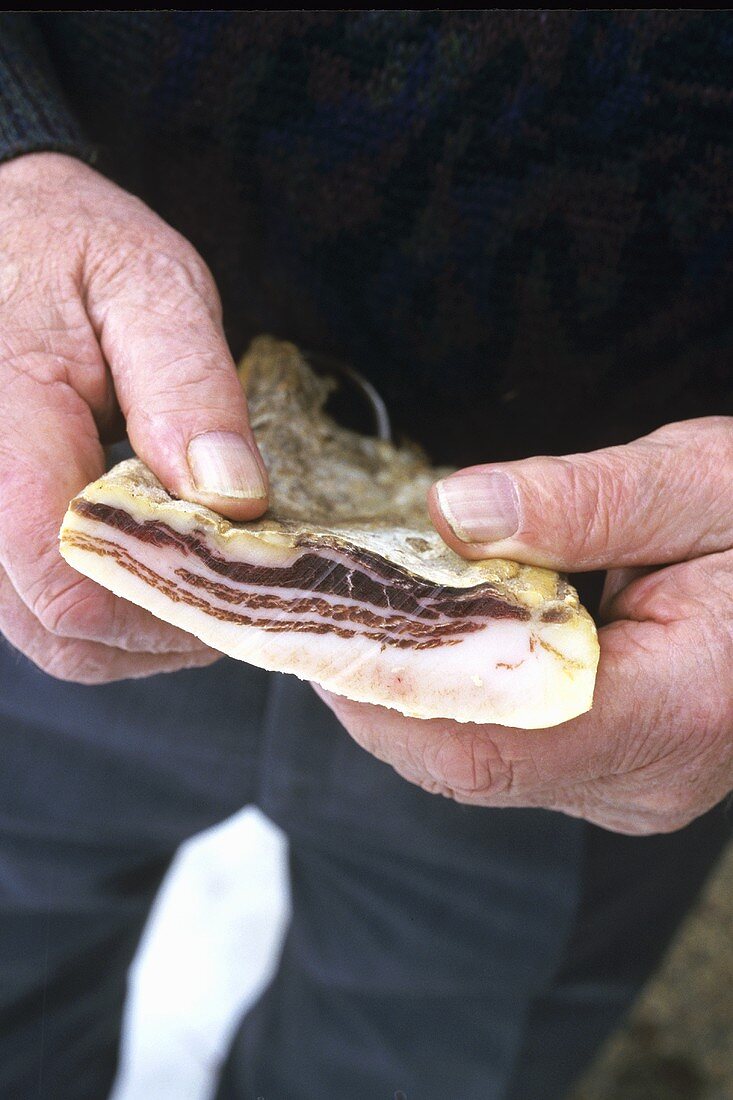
x,y
518,224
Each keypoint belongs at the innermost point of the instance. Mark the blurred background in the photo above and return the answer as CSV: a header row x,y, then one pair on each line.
x,y
212,942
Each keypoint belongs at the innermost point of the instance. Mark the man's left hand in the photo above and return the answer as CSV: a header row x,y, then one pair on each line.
x,y
657,748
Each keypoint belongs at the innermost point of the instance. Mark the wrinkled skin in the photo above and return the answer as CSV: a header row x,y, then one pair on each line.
x,y
105,312
657,748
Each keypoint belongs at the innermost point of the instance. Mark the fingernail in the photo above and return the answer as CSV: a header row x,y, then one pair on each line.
x,y
481,506
222,463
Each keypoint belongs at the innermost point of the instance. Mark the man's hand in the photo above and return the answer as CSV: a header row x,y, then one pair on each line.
x,y
105,312
657,748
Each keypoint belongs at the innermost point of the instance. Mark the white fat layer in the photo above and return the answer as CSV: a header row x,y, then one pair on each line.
x,y
524,674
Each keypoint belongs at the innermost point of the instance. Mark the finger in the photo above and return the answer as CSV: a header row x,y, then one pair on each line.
x,y
80,661
607,766
158,318
659,499
49,450
701,589
615,582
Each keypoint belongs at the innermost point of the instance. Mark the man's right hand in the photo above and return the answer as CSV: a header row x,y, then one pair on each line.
x,y
105,312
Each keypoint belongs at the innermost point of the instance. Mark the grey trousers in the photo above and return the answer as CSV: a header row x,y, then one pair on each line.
x,y
435,950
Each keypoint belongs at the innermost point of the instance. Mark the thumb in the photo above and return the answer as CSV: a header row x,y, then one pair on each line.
x,y
662,498
158,320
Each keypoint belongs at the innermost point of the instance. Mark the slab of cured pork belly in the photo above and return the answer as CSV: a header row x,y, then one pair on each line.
x,y
344,581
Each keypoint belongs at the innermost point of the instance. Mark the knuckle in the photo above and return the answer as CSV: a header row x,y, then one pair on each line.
x,y
67,612
201,279
703,453
467,767
202,384
174,276
594,498
157,276
195,373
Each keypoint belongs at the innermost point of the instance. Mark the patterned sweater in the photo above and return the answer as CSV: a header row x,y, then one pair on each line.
x,y
519,225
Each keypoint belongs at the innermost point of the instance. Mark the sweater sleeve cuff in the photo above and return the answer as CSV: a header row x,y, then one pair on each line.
x,y
34,116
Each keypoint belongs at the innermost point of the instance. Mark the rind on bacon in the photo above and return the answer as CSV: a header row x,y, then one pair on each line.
x,y
344,582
